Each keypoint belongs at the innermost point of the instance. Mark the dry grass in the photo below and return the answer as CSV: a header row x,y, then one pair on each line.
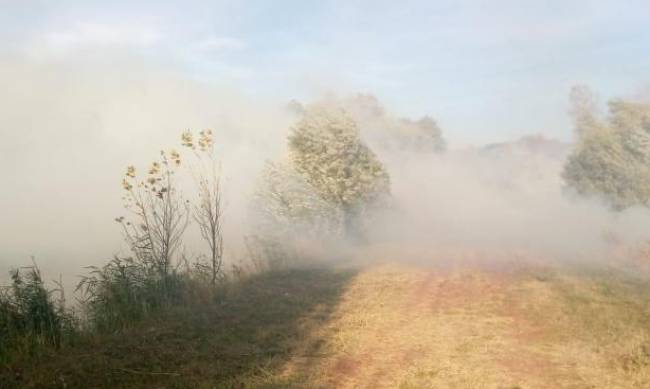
x,y
388,326
410,327
237,340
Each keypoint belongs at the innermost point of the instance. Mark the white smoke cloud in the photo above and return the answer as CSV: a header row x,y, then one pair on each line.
x,y
70,129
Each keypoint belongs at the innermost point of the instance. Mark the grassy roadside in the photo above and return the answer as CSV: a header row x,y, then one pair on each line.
x,y
386,326
236,340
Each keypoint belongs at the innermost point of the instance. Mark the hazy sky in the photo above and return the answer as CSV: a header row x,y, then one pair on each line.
x,y
487,70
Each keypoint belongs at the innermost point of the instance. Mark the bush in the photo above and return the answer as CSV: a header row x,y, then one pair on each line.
x,y
126,290
30,318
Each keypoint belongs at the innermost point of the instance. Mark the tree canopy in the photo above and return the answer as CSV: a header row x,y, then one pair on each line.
x,y
327,150
612,156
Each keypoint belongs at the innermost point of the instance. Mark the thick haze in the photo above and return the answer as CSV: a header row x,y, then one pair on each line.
x,y
87,88
69,132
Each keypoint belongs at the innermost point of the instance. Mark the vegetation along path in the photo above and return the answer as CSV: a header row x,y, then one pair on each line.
x,y
386,326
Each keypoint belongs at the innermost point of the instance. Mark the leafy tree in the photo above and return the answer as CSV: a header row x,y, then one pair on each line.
x,y
326,149
386,131
421,135
289,216
612,156
584,105
285,203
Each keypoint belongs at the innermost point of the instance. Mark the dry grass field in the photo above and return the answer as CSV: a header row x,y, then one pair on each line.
x,y
385,326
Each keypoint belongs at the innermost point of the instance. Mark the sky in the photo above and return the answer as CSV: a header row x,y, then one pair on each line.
x,y
486,70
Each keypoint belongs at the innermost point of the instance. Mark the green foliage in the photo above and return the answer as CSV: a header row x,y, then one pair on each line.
x,y
391,133
30,318
612,157
126,290
285,203
327,151
269,252
422,135
324,190
287,213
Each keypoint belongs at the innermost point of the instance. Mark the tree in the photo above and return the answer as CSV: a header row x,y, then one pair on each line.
x,y
158,214
404,134
288,218
285,203
583,109
423,135
207,212
612,157
326,149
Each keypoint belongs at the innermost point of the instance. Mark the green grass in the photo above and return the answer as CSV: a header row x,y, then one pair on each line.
x,y
31,319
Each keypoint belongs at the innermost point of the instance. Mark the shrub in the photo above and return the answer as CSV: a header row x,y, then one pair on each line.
x,y
208,211
158,215
29,317
127,290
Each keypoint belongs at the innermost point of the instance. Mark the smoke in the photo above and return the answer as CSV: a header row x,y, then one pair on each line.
x,y
503,197
506,198
510,198
70,128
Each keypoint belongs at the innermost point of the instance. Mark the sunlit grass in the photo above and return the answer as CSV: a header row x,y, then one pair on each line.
x,y
388,326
